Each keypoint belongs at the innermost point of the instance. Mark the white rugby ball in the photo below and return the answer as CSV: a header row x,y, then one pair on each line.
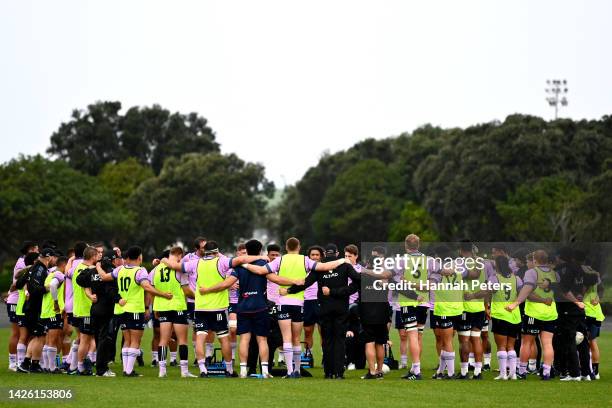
x,y
385,368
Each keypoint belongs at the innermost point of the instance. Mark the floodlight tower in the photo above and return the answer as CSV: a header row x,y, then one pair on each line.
x,y
557,93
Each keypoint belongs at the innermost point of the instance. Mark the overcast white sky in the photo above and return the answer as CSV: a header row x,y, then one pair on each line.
x,y
282,81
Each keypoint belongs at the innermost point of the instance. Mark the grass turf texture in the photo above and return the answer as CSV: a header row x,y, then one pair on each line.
x,y
316,392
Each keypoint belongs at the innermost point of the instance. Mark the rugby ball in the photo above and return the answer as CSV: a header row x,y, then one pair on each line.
x,y
385,368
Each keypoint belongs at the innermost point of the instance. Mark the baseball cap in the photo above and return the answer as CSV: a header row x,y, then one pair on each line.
x,y
47,252
110,255
331,249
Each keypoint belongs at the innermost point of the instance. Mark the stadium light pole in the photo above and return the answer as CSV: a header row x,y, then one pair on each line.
x,y
557,93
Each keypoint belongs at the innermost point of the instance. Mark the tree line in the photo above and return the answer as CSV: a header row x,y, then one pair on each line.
x,y
523,179
153,177
146,176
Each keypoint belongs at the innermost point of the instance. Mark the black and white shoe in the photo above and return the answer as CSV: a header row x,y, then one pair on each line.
x,y
369,376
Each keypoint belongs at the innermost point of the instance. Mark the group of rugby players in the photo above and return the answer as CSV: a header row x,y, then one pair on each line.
x,y
548,309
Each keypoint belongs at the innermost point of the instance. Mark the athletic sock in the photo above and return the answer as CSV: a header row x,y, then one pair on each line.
x,y
161,354
441,362
202,365
12,360
21,352
288,354
404,359
233,345
243,369
51,353
545,370
80,367
477,367
44,357
154,356
184,366
92,356
487,358
173,356
450,363
209,349
512,362
595,368
132,354
416,368
502,362
471,359
264,368
74,356
124,357
532,364
464,368
161,358
522,368
297,358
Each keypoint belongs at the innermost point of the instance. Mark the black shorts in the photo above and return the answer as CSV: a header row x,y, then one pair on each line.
x,y
172,316
154,321
471,321
132,321
593,326
215,321
190,311
421,314
485,325
73,321
35,326
532,326
54,323
86,326
294,313
505,328
11,311
432,321
398,319
374,333
232,308
447,322
311,312
257,323
409,317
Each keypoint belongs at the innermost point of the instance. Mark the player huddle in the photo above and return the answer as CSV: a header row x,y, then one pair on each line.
x,y
75,306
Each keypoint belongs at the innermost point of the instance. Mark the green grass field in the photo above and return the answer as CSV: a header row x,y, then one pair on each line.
x,y
174,391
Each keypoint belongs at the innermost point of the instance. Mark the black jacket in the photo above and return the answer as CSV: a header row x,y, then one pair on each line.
x,y
35,280
337,282
374,307
572,279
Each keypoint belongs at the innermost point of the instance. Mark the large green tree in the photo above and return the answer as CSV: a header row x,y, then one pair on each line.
x,y
303,199
459,175
100,134
42,199
120,180
548,210
215,195
413,219
359,205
